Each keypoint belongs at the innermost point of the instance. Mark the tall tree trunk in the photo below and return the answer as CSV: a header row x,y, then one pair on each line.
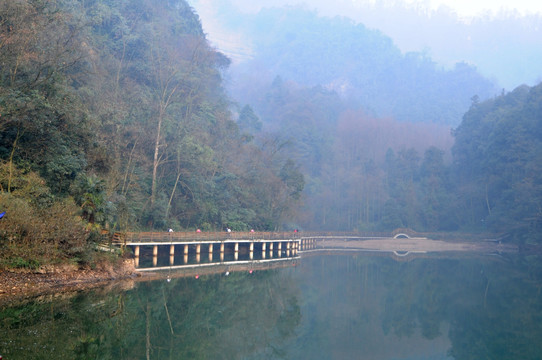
x,y
156,157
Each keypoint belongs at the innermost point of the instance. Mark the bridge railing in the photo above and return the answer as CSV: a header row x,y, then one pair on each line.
x,y
345,235
191,236
206,236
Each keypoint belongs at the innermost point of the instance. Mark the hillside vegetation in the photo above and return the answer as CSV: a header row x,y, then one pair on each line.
x,y
114,117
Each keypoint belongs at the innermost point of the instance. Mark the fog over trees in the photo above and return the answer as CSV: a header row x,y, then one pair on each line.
x,y
363,66
122,116
503,42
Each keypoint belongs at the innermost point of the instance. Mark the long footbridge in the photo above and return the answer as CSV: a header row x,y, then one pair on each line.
x,y
215,244
218,244
208,248
197,250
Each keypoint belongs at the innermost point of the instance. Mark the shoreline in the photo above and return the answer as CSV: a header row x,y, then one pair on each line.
x,y
420,245
20,285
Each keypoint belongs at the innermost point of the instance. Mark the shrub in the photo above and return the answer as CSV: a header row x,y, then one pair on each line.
x,y
36,232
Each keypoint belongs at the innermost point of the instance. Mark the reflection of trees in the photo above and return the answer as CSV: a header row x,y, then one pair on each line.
x,y
490,309
493,307
217,317
66,328
418,297
212,317
506,321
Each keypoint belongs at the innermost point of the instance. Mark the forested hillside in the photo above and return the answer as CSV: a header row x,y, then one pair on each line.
x,y
372,129
113,116
350,160
491,182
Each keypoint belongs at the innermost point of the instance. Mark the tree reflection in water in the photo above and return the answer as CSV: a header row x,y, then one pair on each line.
x,y
333,306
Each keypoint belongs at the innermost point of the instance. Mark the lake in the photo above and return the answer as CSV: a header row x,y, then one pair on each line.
x,y
323,306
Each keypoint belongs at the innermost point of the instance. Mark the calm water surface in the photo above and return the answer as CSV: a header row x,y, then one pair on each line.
x,y
326,307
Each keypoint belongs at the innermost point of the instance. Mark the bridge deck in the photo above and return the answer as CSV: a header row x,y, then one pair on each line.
x,y
143,238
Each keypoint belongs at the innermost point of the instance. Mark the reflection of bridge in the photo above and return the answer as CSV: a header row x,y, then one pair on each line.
x,y
226,267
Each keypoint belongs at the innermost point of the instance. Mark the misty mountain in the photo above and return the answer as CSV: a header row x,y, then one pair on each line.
x,y
504,46
362,65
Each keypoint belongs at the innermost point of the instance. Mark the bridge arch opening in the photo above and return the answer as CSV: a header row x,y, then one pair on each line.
x,y
401,236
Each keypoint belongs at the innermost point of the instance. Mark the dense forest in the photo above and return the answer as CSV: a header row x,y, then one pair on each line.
x,y
114,117
369,174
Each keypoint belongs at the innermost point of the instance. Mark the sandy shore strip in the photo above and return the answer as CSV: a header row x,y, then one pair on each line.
x,y
420,245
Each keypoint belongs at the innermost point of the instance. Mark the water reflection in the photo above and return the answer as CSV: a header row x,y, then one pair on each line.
x,y
327,307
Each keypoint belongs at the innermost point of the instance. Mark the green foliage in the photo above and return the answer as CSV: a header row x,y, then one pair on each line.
x,y
89,193
32,235
498,164
248,120
292,178
113,116
20,263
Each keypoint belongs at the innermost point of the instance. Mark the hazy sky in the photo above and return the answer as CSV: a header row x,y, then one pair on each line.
x,y
468,8
508,53
464,8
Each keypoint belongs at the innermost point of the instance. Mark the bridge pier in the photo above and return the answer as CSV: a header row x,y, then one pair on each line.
x,y
171,250
211,252
280,249
154,255
198,252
